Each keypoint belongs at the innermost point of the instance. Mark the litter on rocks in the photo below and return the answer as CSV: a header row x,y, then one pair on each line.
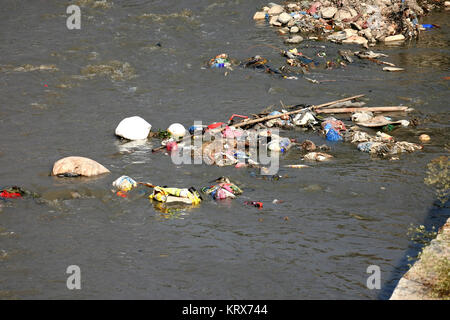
x,y
361,22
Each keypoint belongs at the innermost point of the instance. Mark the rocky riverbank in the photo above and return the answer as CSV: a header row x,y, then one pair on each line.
x,y
351,21
429,277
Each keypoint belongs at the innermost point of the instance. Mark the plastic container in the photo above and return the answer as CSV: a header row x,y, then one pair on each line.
x,y
177,130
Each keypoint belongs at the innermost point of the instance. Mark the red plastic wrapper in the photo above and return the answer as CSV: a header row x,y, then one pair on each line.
x,y
10,195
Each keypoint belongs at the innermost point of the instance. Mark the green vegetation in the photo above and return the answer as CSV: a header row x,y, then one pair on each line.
x,y
437,176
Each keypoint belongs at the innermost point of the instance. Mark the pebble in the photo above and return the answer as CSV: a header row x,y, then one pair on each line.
x,y
275,10
397,37
294,40
284,18
328,12
260,15
424,138
274,21
342,14
356,40
295,29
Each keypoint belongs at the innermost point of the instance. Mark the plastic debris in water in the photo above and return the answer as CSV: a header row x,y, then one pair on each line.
x,y
124,183
256,204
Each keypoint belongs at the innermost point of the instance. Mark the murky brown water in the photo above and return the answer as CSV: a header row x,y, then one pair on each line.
x,y
342,216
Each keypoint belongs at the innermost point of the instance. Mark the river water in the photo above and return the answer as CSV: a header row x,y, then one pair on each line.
x,y
335,220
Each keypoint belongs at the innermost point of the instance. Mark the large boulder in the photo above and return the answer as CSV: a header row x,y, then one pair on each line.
x,y
78,166
133,128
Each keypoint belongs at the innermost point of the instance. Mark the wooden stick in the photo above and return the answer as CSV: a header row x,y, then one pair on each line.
x,y
146,184
372,109
253,121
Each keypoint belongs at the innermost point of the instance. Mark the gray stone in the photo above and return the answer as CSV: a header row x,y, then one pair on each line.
x,y
295,29
294,40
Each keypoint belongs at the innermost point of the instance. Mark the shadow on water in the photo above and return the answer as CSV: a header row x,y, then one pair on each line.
x,y
436,217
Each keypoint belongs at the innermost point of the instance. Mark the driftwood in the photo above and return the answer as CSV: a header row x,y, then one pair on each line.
x,y
371,109
253,121
146,184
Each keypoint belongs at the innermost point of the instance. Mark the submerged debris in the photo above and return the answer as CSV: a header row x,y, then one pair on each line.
x,y
103,4
114,69
28,68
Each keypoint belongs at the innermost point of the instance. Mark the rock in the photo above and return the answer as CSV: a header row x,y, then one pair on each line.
x,y
274,21
291,23
424,138
308,145
293,7
338,36
350,32
275,10
284,18
318,156
397,37
368,35
328,12
294,40
342,14
78,166
294,29
133,128
266,9
260,15
356,40
391,29
353,12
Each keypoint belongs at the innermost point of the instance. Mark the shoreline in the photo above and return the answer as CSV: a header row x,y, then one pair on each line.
x,y
424,281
